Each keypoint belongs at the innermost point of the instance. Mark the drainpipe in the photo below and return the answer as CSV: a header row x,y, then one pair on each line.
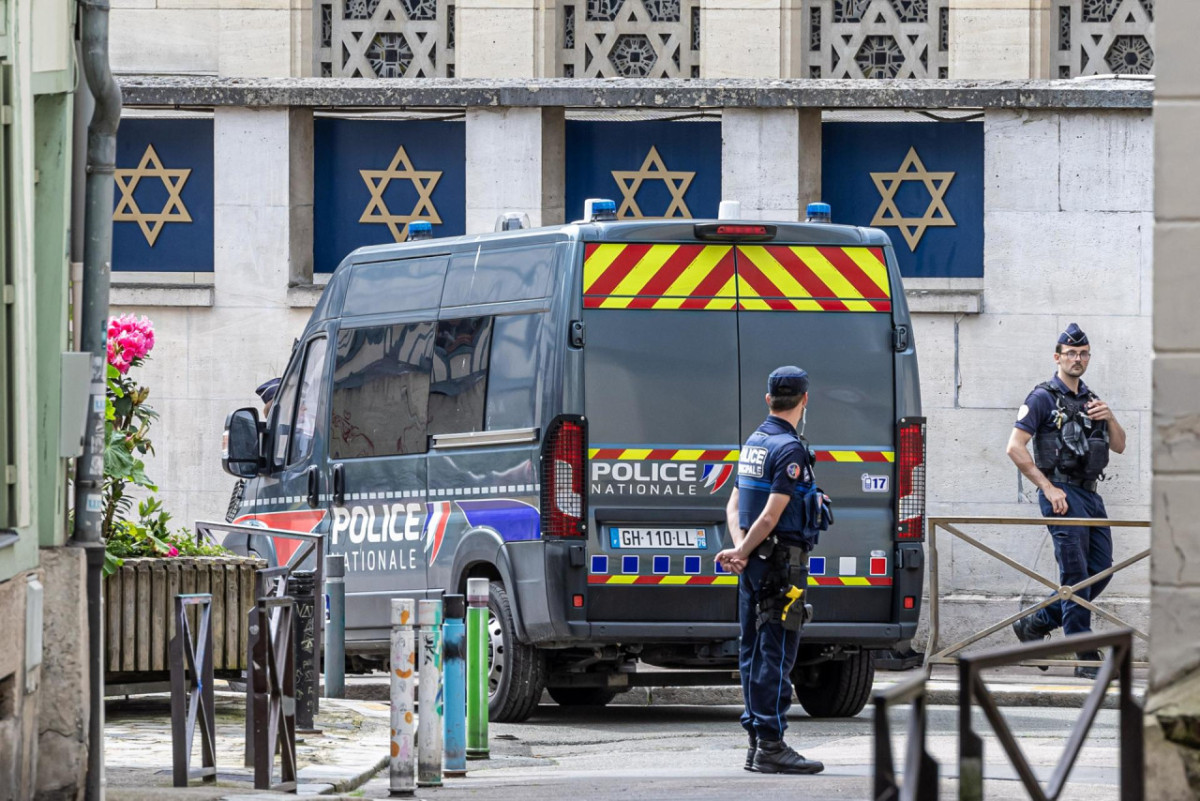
x,y
93,325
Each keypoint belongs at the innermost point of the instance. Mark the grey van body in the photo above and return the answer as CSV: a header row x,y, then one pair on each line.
x,y
411,421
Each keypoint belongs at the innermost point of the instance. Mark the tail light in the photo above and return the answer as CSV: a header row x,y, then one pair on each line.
x,y
564,477
910,474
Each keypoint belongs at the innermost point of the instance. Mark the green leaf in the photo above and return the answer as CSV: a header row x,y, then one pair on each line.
x,y
111,564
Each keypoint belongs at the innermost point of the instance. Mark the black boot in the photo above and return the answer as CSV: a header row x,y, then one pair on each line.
x,y
1029,631
775,756
1083,672
751,750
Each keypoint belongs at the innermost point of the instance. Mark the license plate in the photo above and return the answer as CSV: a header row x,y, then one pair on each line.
x,y
689,539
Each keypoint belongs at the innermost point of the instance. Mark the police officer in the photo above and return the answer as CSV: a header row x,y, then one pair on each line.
x,y
1072,431
764,516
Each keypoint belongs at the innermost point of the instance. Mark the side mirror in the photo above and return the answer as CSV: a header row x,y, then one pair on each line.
x,y
241,445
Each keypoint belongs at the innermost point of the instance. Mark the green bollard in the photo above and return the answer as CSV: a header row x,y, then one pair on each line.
x,y
477,668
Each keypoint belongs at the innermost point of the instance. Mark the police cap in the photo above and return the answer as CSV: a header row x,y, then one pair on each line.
x,y
267,390
1073,336
787,381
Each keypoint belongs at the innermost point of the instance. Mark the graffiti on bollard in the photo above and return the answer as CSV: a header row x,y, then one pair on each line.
x,y
429,721
454,672
401,773
477,669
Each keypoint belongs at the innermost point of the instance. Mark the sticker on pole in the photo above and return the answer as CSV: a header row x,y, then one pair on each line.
x,y
872,483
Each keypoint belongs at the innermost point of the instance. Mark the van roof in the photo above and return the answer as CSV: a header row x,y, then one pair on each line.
x,y
672,230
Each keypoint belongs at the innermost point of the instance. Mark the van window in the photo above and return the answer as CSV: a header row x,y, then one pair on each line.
x,y
307,402
500,273
460,375
517,360
282,411
381,391
394,286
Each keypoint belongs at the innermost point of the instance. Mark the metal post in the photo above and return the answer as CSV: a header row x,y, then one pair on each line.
x,y
192,700
455,672
970,746
335,633
300,586
429,722
477,669
401,776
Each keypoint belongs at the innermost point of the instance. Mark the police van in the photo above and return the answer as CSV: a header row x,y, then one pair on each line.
x,y
560,409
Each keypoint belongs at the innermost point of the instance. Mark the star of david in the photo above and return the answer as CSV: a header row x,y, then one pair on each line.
x,y
422,180
935,216
653,169
172,211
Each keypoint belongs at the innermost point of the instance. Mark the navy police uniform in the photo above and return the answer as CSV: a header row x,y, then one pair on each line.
x,y
1081,551
774,460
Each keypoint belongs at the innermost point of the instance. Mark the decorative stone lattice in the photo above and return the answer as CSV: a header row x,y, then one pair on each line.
x,y
629,38
1104,36
876,39
386,38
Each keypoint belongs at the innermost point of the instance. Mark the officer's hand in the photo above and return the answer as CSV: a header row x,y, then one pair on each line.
x,y
1057,498
1098,410
731,561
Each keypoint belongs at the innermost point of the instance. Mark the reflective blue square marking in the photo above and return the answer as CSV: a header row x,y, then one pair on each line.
x,y
599,564
718,567
691,565
662,565
816,565
629,564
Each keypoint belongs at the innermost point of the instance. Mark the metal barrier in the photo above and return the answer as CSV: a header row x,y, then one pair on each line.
x,y
1060,592
273,677
972,687
920,769
192,699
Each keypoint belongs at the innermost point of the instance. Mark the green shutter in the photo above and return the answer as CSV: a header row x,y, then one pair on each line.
x,y
8,477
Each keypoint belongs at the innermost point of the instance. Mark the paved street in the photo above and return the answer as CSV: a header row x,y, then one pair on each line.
x,y
682,753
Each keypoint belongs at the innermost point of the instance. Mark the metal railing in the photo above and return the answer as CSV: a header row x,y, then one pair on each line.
x,y
273,688
920,768
272,582
951,525
972,688
192,700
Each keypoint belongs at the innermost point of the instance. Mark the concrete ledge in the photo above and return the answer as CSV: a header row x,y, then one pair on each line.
x,y
304,296
944,295
160,295
180,90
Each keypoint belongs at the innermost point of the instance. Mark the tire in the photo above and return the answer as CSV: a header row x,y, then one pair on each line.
x,y
582,696
516,672
842,688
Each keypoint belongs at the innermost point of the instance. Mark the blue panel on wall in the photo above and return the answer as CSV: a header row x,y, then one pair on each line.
x,y
920,182
651,169
375,176
163,200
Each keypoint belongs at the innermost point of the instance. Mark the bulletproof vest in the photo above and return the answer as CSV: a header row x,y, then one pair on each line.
x,y
756,464
1078,449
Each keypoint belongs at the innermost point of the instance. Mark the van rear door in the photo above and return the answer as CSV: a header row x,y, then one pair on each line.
x,y
827,309
662,399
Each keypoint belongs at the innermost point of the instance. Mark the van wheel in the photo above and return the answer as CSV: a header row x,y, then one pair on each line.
x,y
516,672
582,696
841,689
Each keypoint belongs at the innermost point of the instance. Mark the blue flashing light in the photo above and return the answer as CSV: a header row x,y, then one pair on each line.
x,y
819,213
419,229
600,209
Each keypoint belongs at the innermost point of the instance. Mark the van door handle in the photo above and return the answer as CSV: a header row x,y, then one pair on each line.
x,y
314,487
339,485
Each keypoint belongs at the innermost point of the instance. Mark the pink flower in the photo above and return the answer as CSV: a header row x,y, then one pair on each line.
x,y
130,339
173,551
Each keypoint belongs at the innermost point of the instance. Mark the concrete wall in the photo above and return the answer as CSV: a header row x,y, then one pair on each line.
x,y
1068,238
1172,749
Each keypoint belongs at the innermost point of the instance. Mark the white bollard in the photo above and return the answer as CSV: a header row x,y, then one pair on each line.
x,y
430,695
401,773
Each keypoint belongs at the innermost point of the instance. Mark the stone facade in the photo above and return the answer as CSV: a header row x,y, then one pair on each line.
x,y
1173,704
1068,238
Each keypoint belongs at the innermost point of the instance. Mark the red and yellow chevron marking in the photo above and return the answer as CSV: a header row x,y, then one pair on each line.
x,y
641,581
659,277
856,456
731,581
783,278
664,454
722,455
